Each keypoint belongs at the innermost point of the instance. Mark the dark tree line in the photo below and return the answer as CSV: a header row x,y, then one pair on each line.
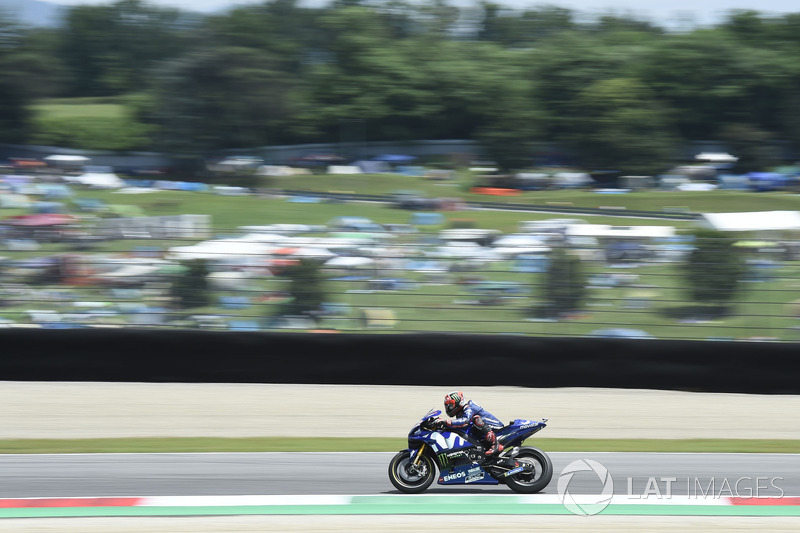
x,y
617,92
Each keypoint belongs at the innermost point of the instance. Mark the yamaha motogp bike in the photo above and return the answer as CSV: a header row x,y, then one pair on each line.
x,y
460,460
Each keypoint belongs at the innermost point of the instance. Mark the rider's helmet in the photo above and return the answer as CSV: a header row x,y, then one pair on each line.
x,y
454,403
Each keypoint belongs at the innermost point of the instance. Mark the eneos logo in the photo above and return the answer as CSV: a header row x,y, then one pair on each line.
x,y
585,504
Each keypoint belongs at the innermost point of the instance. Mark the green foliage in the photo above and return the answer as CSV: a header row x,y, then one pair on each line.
x,y
110,48
616,92
92,133
15,95
220,98
306,288
190,288
622,127
714,270
563,285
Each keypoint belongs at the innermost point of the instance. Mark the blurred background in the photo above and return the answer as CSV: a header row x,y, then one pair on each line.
x,y
287,166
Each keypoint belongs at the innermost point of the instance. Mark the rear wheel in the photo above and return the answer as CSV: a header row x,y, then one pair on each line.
x,y
409,477
537,473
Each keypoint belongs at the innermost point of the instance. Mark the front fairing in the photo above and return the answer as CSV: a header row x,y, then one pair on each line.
x,y
417,430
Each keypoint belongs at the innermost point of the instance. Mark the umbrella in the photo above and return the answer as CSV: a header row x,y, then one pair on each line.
x,y
716,157
394,158
66,158
346,261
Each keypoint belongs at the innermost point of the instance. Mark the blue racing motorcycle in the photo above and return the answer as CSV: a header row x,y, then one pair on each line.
x,y
460,460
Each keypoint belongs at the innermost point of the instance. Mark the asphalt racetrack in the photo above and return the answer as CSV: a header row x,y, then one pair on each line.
x,y
114,410
214,474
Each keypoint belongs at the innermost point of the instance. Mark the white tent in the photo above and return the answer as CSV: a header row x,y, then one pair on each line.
x,y
752,221
716,157
130,271
220,250
518,239
99,180
281,228
512,251
67,162
314,253
463,250
261,237
348,262
66,159
602,230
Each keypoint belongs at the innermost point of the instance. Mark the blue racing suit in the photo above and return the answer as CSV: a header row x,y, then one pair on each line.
x,y
471,410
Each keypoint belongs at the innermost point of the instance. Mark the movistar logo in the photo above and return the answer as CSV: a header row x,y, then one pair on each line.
x,y
442,443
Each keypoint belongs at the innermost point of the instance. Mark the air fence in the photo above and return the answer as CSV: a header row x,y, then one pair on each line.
x,y
406,281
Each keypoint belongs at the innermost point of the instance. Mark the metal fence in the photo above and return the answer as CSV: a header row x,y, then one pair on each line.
x,y
396,282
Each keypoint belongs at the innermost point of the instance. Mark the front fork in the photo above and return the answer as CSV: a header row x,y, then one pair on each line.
x,y
417,455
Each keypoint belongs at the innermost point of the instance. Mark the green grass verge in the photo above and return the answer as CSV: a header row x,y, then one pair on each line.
x,y
345,444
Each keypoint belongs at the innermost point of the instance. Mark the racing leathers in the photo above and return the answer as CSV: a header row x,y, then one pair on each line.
x,y
474,416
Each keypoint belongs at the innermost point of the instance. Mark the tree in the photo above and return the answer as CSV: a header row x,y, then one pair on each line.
x,y
508,121
220,97
190,289
109,49
15,92
564,284
562,68
512,28
306,288
623,128
703,79
713,271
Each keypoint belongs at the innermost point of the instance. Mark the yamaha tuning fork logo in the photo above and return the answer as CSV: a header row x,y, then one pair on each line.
x,y
585,504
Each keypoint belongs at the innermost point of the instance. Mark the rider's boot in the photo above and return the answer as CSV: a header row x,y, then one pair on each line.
x,y
494,446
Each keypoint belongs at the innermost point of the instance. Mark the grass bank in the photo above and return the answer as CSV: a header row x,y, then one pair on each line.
x,y
291,444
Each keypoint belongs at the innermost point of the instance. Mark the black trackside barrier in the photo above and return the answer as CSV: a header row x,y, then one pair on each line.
x,y
406,359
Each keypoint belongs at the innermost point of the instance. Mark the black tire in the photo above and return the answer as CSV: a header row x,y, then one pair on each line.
x,y
411,482
535,478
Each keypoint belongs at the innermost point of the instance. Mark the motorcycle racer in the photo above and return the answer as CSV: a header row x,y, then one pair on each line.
x,y
466,413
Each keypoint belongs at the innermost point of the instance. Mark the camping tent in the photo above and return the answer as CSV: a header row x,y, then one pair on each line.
x,y
67,161
99,178
634,232
752,221
716,157
394,158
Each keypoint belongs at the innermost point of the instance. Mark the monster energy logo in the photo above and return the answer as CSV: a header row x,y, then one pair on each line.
x,y
444,458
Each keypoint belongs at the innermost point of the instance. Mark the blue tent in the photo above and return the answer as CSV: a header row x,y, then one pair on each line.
x,y
427,219
768,181
394,158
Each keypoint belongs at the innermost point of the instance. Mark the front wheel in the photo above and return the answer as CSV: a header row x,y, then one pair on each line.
x,y
537,473
409,477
